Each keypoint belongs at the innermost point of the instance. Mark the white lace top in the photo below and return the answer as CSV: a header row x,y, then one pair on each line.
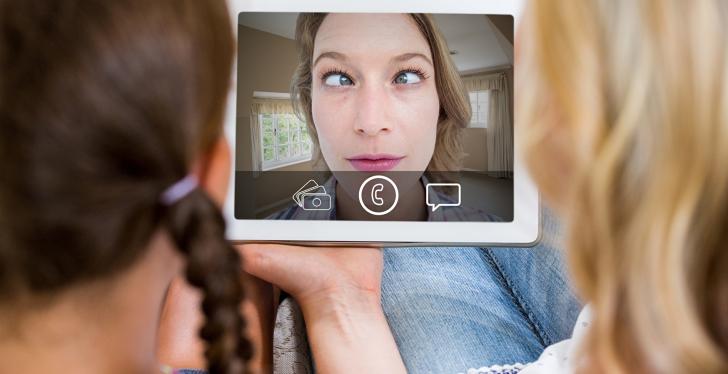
x,y
557,359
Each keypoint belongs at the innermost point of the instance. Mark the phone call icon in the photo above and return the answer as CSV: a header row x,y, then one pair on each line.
x,y
376,195
376,190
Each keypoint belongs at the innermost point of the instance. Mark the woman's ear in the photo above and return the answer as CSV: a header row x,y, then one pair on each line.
x,y
213,170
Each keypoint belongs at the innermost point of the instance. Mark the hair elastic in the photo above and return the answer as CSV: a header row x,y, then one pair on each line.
x,y
179,190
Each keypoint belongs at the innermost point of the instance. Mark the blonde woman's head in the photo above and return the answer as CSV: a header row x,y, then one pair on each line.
x,y
626,107
379,87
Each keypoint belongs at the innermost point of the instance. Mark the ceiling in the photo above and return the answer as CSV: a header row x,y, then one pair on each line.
x,y
477,43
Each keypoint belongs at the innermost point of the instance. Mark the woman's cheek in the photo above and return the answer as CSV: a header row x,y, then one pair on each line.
x,y
422,111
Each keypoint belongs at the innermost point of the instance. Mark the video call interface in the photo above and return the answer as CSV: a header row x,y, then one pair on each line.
x,y
374,117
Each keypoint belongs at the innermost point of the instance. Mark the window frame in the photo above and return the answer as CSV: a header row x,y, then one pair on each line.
x,y
475,121
277,162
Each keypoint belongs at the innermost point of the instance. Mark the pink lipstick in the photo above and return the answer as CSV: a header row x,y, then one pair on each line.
x,y
375,162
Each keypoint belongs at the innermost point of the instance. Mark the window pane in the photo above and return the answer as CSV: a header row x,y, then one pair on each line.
x,y
479,102
296,150
294,134
268,139
282,152
483,111
268,154
282,131
306,148
483,116
482,102
267,123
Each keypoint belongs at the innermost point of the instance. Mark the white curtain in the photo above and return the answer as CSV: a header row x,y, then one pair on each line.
x,y
500,127
270,106
258,107
484,82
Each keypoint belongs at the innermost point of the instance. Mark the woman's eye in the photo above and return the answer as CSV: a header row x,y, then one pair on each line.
x,y
338,80
407,77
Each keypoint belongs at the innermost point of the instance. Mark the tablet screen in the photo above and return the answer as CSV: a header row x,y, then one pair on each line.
x,y
371,117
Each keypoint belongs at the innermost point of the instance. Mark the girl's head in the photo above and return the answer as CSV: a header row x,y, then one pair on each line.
x,y
103,106
626,107
379,92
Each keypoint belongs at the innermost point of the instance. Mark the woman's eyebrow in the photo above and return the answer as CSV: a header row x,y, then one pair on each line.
x,y
408,56
400,58
331,55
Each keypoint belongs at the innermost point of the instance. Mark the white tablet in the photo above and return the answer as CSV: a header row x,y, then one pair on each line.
x,y
378,122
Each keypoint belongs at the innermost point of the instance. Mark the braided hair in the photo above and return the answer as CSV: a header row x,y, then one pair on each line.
x,y
198,229
103,106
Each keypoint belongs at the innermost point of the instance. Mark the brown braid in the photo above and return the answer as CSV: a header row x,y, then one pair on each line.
x,y
103,105
213,266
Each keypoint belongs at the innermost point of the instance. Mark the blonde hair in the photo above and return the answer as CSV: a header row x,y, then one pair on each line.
x,y
455,109
626,102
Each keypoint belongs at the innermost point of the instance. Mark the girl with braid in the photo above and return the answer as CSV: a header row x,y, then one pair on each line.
x,y
113,166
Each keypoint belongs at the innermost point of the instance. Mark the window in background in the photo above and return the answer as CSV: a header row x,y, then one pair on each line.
x,y
284,140
479,102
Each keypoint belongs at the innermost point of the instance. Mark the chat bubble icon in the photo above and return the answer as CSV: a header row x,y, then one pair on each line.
x,y
436,197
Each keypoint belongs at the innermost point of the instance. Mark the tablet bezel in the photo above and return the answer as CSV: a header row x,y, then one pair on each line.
x,y
524,230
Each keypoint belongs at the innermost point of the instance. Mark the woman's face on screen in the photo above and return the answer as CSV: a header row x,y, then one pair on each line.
x,y
374,100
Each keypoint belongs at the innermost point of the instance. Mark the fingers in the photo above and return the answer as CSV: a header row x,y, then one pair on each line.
x,y
303,271
282,265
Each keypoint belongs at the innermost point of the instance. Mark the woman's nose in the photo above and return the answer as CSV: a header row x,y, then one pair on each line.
x,y
373,106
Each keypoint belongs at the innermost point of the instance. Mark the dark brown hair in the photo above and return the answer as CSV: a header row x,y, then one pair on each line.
x,y
104,105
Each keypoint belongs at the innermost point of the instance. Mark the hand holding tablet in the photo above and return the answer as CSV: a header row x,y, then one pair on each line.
x,y
339,292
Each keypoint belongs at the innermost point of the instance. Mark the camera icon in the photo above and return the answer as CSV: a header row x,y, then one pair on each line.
x,y
312,196
316,201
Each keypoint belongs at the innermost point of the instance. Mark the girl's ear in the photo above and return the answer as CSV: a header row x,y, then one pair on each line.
x,y
213,170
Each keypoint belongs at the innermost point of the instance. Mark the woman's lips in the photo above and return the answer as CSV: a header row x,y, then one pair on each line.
x,y
371,163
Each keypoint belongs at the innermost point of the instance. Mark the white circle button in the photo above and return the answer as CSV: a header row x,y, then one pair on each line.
x,y
376,200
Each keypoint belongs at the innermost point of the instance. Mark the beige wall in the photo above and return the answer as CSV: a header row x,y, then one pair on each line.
x,y
266,62
476,149
504,23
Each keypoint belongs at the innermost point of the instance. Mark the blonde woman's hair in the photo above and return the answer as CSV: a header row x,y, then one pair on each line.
x,y
626,103
455,109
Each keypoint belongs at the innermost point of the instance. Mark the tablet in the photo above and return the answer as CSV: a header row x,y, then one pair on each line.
x,y
379,122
